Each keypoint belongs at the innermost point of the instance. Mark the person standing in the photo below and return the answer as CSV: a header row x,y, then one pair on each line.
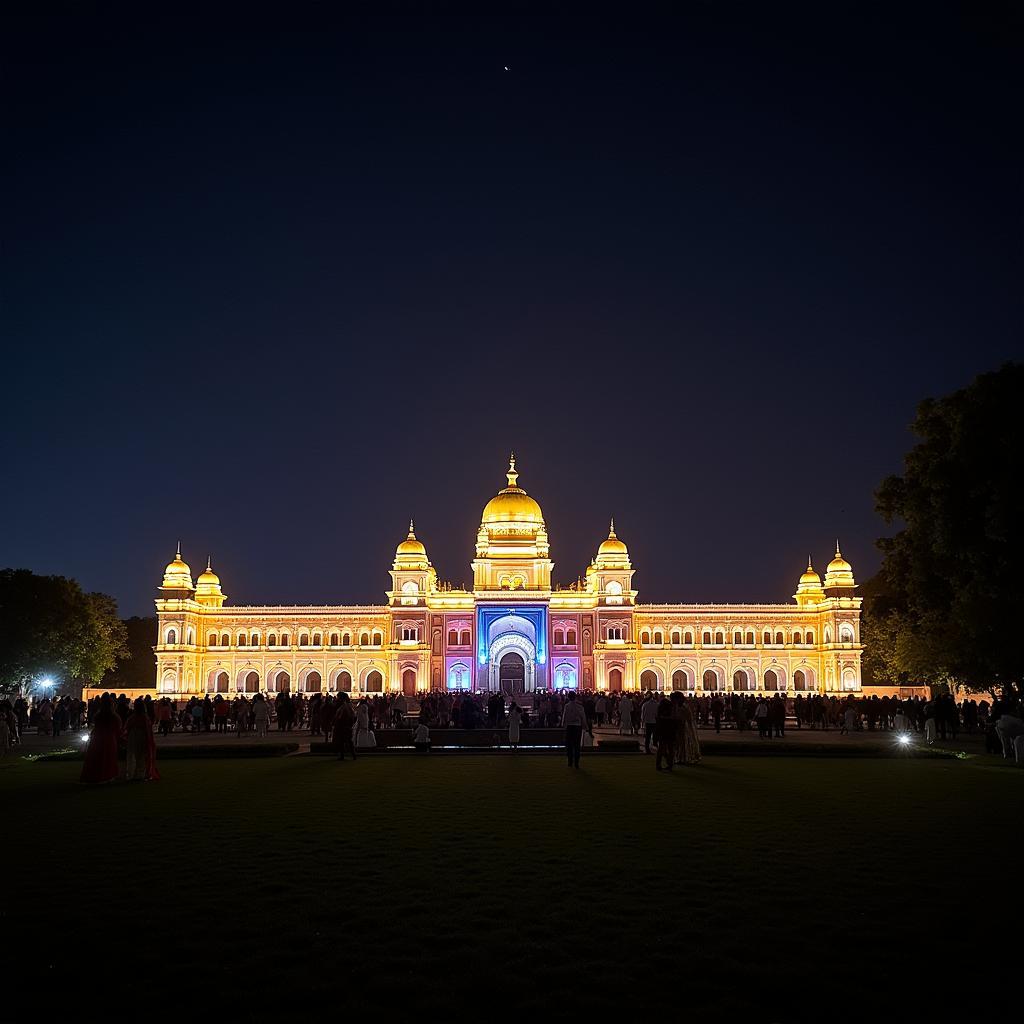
x,y
140,745
344,723
574,721
648,719
260,714
101,753
665,735
625,715
514,718
717,707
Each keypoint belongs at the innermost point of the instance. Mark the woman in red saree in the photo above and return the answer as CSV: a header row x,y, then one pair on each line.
x,y
101,754
141,747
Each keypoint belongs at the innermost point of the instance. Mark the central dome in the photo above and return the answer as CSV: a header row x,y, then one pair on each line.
x,y
512,503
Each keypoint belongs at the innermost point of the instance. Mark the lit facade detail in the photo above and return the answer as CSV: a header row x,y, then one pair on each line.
x,y
514,630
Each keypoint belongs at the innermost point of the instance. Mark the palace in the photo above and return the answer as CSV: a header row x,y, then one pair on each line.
x,y
512,631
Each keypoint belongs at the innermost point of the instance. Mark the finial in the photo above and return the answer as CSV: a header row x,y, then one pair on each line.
x,y
838,553
412,535
809,568
177,554
512,475
611,527
209,563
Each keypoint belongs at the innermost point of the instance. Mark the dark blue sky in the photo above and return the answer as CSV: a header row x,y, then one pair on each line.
x,y
272,283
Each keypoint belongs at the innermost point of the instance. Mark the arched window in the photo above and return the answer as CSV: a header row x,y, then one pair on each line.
x,y
334,639
410,633
828,635
719,638
559,638
303,639
707,637
849,679
750,637
688,638
464,638
615,679
346,639
254,640
220,682
378,639
645,637
614,632
570,637
676,638
771,680
614,592
271,639
283,682
779,639
313,682
344,681
809,637
799,680
797,637
709,680
364,639
737,637
225,640
846,633
252,682
659,638
565,677
172,636
211,640
767,638
318,640
453,638
459,677
374,682
190,637
285,640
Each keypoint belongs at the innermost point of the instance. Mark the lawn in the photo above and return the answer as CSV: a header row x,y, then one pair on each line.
x,y
482,886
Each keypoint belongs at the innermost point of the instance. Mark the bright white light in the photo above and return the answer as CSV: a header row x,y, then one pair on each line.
x,y
46,683
83,737
904,739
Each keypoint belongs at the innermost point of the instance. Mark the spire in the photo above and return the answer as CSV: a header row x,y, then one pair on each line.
x,y
810,568
512,475
412,532
177,554
838,552
611,527
209,563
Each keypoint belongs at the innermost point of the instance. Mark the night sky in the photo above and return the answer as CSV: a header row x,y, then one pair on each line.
x,y
273,283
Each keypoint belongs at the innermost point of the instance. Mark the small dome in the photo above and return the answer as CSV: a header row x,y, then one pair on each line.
x,y
839,572
810,578
512,503
208,578
177,575
612,546
411,546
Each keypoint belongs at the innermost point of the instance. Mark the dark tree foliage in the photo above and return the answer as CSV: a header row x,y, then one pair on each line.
x,y
137,667
951,577
49,627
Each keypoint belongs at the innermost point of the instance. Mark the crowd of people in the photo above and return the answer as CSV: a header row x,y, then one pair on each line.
x,y
338,718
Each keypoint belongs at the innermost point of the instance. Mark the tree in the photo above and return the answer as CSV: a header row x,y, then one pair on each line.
x,y
952,575
50,627
137,667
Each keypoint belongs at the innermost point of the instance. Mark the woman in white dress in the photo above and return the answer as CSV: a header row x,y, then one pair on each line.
x,y
260,715
625,715
363,726
514,718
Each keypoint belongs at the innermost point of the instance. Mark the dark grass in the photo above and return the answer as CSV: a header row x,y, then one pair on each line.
x,y
494,887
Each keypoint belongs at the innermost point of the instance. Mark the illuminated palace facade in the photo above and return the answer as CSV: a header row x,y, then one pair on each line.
x,y
513,631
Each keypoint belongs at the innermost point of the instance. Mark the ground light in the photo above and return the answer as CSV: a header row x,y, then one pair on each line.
x,y
903,739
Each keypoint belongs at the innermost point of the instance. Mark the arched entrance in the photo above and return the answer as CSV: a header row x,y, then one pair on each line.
x,y
771,680
409,682
648,680
374,682
615,680
252,682
512,674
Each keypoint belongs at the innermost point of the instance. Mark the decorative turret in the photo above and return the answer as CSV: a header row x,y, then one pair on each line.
x,y
839,581
177,575
809,589
208,590
412,575
611,573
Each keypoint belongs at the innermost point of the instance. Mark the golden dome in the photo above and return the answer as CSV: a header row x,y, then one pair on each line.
x,y
839,572
512,503
411,546
208,578
612,546
177,575
810,578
